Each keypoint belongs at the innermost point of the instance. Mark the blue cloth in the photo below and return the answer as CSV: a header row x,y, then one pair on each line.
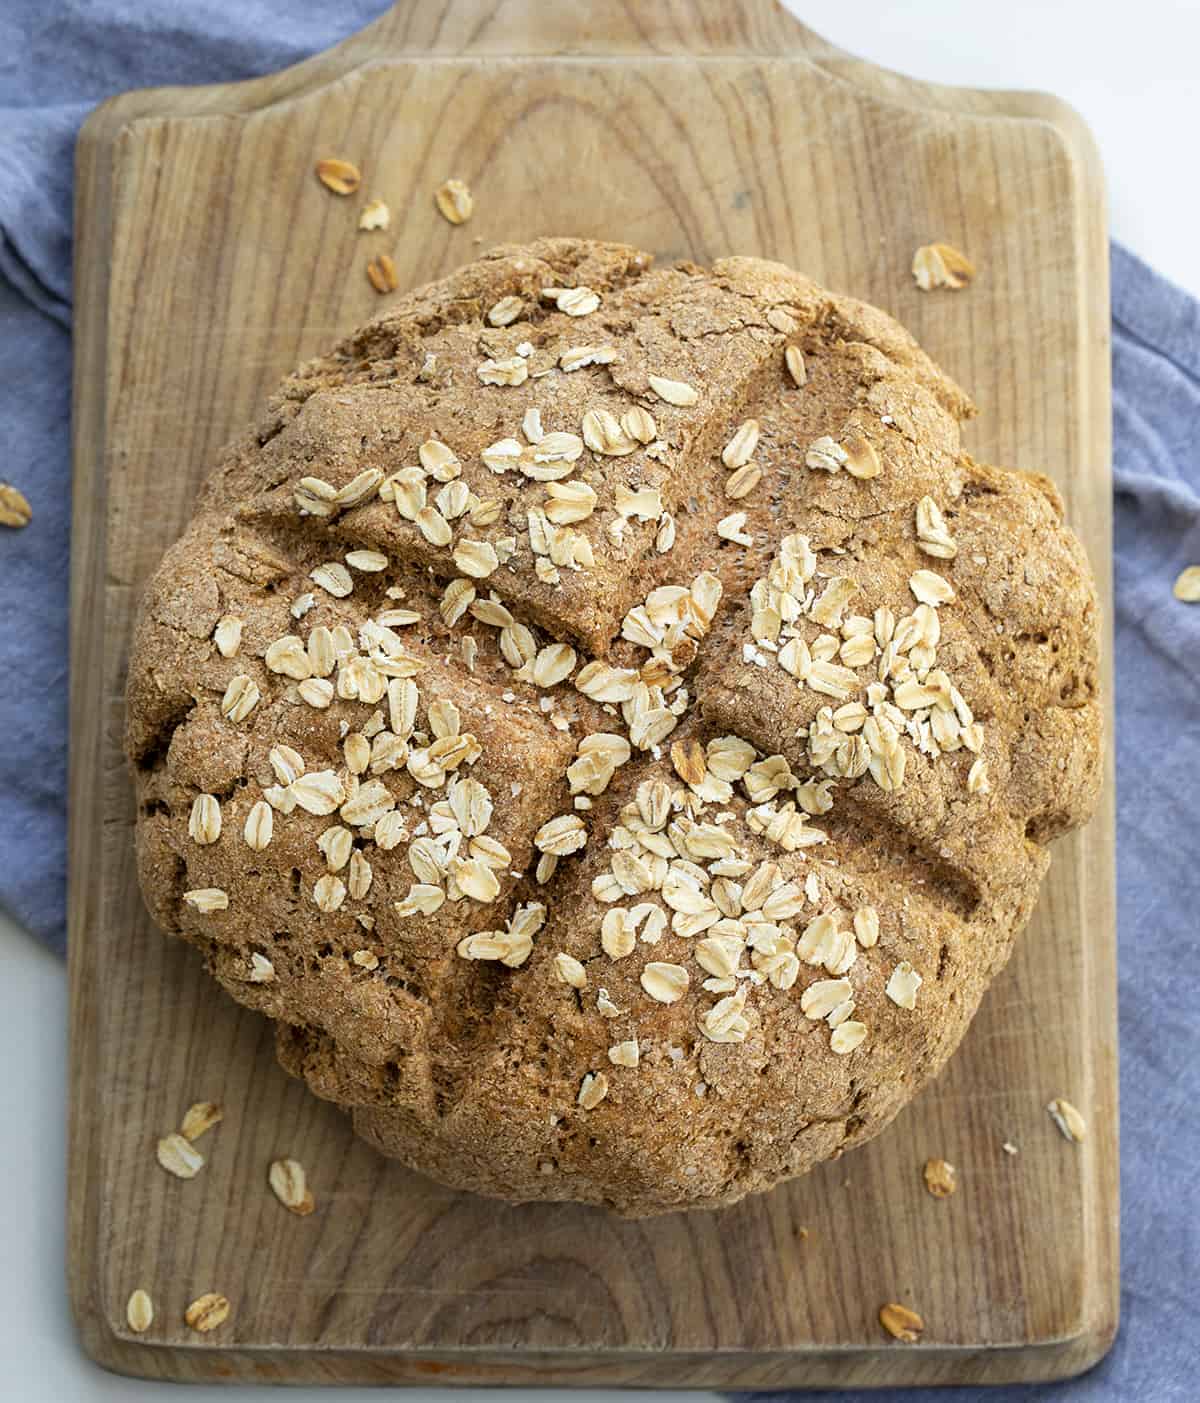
x,y
57,60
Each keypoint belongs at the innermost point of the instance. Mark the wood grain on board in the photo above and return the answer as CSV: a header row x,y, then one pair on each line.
x,y
209,262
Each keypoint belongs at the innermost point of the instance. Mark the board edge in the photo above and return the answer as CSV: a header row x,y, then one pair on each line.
x,y
1064,1357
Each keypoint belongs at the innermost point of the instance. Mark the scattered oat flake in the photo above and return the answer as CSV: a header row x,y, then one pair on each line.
x,y
1009,1148
941,265
666,983
510,371
569,970
204,823
241,697
574,301
862,460
941,1177
602,432
644,503
901,1323
740,448
259,826
677,392
314,496
262,971
847,1036
560,836
826,454
207,899
179,1157
15,510
139,1311
903,985
578,357
375,215
506,311
333,578
732,528
866,926
289,1184
368,561
342,177
688,759
198,1118
329,892
639,423
476,558
933,535
928,587
228,635
793,358
742,481
569,502
360,487
454,201
593,1090
1067,1118
207,1312
381,270
1187,586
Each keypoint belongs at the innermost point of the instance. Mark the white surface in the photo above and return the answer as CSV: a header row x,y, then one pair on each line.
x,y
1132,73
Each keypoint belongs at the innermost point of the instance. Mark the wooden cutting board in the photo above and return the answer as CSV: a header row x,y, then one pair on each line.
x,y
209,262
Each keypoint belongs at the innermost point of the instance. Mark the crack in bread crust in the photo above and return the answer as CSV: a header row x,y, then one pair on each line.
x,y
373,466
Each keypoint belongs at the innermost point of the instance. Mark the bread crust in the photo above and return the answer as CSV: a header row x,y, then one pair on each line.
x,y
468,1069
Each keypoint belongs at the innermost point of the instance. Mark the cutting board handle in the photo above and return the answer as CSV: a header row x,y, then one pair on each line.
x,y
596,28
618,28
520,28
588,26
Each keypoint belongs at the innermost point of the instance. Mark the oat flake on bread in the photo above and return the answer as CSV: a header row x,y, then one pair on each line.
x,y
568,723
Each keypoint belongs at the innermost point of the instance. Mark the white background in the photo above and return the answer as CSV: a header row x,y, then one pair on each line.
x,y
1132,73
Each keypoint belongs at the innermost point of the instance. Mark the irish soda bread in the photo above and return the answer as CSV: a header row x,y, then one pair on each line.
x,y
606,721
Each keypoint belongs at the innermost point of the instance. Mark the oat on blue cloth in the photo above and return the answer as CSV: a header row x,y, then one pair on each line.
x,y
58,59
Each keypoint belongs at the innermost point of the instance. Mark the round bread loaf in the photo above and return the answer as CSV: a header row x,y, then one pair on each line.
x,y
606,721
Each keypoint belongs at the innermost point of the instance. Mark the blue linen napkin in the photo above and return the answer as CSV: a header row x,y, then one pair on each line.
x,y
57,61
